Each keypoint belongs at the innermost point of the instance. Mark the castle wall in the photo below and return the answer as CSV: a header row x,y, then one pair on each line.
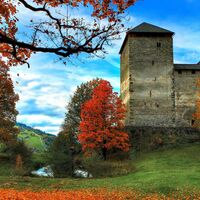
x,y
185,96
124,79
151,81
156,93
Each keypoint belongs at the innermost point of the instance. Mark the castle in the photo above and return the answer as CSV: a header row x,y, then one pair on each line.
x,y
156,92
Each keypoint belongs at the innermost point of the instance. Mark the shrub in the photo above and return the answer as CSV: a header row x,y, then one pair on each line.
x,y
151,138
39,160
108,168
2,147
117,155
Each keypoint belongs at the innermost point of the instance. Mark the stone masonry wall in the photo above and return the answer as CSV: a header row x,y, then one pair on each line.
x,y
185,96
151,81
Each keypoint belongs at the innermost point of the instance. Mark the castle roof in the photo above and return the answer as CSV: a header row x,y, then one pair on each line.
x,y
187,66
144,29
149,28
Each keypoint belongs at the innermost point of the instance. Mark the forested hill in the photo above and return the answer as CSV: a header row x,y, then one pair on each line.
x,y
35,138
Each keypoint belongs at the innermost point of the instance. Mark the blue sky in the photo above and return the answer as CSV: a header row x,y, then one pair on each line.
x,y
45,88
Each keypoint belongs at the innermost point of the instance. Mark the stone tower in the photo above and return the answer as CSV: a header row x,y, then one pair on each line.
x,y
147,78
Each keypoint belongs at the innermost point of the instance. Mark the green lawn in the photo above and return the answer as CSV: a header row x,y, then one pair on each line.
x,y
162,171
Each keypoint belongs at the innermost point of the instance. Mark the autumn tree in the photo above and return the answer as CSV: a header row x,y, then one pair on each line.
x,y
8,100
57,27
72,120
101,122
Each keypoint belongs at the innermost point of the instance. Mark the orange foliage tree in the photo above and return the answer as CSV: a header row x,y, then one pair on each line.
x,y
8,100
56,29
101,122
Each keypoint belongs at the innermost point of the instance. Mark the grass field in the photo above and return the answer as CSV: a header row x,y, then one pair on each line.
x,y
162,171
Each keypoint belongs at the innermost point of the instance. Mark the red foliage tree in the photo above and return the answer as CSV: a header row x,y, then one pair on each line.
x,y
101,122
8,100
54,29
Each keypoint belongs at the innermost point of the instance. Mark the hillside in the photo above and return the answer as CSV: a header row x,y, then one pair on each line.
x,y
34,138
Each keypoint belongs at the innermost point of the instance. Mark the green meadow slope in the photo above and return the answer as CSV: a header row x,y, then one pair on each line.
x,y
35,139
161,171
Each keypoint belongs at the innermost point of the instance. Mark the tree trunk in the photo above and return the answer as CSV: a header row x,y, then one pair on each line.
x,y
104,153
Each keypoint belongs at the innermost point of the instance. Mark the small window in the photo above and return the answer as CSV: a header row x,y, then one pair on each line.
x,y
158,44
180,71
157,105
193,72
150,93
153,62
193,122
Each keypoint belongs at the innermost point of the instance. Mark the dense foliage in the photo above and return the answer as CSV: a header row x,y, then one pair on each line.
x,y
101,122
53,26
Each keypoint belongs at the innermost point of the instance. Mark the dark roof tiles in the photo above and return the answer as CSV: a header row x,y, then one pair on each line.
x,y
149,28
146,28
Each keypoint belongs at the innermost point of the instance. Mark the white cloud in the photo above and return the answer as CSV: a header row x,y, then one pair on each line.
x,y
48,129
49,86
39,118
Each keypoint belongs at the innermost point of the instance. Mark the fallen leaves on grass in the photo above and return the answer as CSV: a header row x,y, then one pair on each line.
x,y
97,194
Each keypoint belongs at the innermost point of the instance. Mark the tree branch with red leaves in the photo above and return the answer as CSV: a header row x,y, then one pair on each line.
x,y
57,27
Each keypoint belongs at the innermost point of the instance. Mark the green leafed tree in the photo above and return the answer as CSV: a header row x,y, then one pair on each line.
x,y
72,120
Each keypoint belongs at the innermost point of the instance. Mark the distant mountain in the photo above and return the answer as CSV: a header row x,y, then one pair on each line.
x,y
35,139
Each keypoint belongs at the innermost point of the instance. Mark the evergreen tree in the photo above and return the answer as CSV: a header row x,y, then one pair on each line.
x,y
61,156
